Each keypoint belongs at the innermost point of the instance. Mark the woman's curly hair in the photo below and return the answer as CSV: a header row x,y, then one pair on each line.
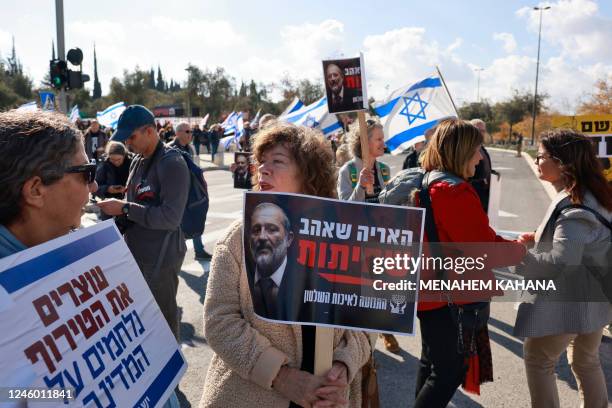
x,y
310,151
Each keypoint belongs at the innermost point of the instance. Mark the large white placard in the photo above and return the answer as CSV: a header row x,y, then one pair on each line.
x,y
76,314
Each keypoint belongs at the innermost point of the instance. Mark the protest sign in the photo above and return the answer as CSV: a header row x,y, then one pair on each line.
x,y
597,127
242,170
316,261
77,315
345,85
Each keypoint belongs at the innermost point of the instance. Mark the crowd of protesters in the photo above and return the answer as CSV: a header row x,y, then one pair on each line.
x,y
47,178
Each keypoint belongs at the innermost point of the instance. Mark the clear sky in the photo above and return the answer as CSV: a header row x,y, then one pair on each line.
x,y
402,41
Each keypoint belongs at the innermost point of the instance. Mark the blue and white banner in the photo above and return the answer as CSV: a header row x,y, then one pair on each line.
x,y
229,124
78,316
28,107
74,114
47,101
110,116
295,105
316,116
409,111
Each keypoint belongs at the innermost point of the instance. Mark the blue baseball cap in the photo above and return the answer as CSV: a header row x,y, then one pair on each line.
x,y
133,117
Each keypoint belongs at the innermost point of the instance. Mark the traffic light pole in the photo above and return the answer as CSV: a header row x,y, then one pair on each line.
x,y
61,50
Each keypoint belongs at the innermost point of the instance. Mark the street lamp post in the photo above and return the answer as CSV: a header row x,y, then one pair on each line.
x,y
535,94
188,95
478,70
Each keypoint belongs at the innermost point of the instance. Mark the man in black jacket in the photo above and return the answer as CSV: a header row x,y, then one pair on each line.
x,y
157,191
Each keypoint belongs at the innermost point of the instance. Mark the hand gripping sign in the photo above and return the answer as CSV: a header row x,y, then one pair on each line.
x,y
76,315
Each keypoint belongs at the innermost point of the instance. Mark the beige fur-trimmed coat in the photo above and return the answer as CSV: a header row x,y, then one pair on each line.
x,y
248,351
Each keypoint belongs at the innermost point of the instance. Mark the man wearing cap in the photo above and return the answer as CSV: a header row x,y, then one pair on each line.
x,y
157,190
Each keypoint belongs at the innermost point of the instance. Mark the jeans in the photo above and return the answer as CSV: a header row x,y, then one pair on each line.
x,y
198,246
442,368
213,146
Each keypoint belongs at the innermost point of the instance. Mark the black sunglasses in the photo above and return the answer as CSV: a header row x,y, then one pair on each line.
x,y
88,170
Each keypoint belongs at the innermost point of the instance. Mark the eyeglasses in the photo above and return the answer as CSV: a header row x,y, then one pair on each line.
x,y
539,158
88,170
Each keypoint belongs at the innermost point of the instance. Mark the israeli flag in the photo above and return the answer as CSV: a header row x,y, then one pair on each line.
x,y
226,142
28,107
295,105
409,111
74,114
110,116
316,116
239,128
229,124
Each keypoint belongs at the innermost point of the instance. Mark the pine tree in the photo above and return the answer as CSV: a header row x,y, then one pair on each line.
x,y
151,79
97,88
160,85
14,65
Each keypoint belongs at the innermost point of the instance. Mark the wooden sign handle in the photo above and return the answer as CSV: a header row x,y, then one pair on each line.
x,y
324,350
365,146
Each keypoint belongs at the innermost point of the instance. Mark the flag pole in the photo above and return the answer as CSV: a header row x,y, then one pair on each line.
x,y
365,146
447,92
324,350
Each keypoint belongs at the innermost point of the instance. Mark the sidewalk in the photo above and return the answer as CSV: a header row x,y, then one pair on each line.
x,y
207,164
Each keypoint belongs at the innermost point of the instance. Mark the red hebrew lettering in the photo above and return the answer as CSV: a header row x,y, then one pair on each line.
x,y
322,254
45,309
307,252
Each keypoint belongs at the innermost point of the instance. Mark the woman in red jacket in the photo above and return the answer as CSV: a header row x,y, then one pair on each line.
x,y
450,159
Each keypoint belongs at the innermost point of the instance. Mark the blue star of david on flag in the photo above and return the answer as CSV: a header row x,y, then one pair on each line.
x,y
310,121
413,101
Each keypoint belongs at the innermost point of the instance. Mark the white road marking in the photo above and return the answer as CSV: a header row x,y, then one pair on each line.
x,y
506,214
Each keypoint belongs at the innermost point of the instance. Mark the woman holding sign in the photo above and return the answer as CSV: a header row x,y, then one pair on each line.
x,y
354,178
256,362
455,343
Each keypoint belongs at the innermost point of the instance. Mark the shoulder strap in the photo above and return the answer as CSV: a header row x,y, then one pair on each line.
x,y
597,215
430,223
158,148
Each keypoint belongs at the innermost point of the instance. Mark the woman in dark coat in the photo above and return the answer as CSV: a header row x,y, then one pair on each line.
x,y
112,173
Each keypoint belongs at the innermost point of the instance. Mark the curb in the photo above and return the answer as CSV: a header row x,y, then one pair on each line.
x,y
215,168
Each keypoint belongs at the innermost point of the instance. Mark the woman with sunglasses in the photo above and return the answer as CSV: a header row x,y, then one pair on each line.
x,y
571,248
257,363
45,176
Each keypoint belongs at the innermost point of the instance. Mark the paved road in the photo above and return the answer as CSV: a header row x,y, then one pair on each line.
x,y
523,204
